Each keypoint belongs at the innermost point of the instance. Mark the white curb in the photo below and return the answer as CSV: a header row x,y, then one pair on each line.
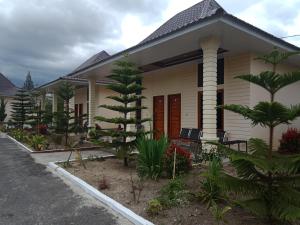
x,y
19,143
127,213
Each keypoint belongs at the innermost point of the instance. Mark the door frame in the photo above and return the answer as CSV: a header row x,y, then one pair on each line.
x,y
163,97
169,111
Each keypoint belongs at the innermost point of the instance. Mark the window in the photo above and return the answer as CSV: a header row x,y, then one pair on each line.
x,y
220,112
220,73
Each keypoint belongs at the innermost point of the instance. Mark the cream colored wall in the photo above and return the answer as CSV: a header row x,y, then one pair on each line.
x,y
236,91
287,96
182,79
81,98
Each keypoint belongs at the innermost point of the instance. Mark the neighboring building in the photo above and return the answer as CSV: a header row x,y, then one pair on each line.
x,y
80,103
189,64
7,90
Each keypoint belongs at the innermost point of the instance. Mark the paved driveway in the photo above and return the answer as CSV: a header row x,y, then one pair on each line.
x,y
30,195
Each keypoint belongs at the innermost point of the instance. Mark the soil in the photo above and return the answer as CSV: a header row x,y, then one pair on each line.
x,y
118,179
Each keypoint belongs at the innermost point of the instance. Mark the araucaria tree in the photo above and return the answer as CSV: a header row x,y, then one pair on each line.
x,y
268,183
21,107
126,83
36,113
64,120
3,113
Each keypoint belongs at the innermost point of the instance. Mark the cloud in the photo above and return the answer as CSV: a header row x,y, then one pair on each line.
x,y
275,16
51,38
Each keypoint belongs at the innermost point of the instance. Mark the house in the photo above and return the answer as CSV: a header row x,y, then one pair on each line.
x,y
80,103
189,64
7,91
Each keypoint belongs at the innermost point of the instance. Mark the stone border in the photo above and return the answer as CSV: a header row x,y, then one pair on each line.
x,y
114,205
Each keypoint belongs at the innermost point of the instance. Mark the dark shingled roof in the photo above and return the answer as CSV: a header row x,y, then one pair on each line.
x,y
7,88
201,10
94,59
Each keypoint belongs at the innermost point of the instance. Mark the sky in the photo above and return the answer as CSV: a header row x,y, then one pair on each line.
x,y
52,38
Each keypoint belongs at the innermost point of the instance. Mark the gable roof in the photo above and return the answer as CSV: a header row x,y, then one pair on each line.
x,y
204,11
201,10
7,88
94,59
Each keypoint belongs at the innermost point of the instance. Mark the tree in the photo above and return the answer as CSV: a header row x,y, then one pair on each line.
x,y
2,110
36,113
64,119
267,182
28,84
126,84
21,107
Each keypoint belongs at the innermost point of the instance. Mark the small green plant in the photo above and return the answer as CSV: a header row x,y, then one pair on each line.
x,y
174,194
150,157
154,207
19,135
219,213
210,190
38,142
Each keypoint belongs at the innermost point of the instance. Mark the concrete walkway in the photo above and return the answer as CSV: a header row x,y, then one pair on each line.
x,y
45,158
30,195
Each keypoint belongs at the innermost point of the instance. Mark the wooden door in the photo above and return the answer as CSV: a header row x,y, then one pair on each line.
x,y
174,116
158,116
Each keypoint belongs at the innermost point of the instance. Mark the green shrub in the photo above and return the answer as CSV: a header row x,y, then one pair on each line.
x,y
19,135
38,142
183,160
154,207
174,194
150,158
210,190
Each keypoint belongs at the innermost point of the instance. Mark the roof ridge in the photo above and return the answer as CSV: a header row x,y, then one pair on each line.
x,y
198,11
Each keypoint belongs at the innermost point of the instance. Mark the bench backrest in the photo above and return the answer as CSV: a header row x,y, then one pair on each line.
x,y
184,133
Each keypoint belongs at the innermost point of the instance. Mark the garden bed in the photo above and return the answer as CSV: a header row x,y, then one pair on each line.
x,y
119,188
49,143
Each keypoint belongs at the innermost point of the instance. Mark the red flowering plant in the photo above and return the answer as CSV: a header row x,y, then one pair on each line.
x,y
43,129
183,160
290,141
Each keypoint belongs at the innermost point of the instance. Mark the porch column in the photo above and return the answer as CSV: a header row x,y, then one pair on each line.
x,y
92,107
210,53
43,101
54,102
72,107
